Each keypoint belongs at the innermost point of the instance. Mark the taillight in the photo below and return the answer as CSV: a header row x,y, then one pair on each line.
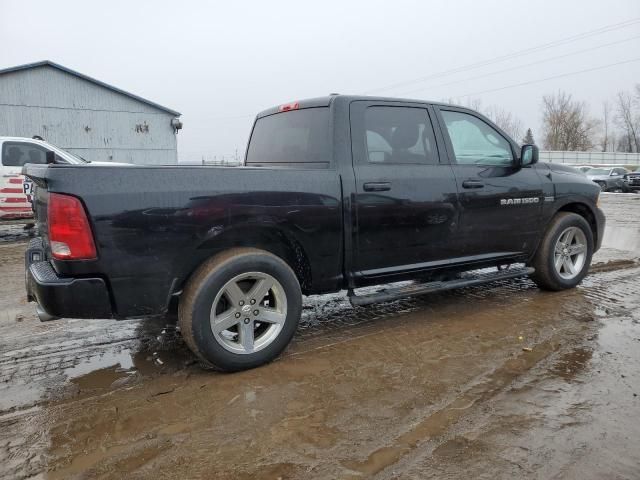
x,y
70,235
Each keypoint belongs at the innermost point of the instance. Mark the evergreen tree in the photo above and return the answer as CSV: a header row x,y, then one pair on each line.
x,y
528,138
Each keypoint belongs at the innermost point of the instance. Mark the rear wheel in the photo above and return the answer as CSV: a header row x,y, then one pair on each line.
x,y
564,255
240,309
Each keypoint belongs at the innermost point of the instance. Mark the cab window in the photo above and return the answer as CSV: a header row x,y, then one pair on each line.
x,y
16,154
299,138
399,135
475,142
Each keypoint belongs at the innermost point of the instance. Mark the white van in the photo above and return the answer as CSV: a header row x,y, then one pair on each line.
x,y
15,201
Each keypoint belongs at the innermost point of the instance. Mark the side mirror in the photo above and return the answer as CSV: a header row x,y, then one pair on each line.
x,y
529,155
50,157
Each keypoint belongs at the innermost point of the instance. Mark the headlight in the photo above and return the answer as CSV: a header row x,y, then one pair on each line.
x,y
598,201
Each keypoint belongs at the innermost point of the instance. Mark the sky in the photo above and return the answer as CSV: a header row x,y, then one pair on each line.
x,y
221,62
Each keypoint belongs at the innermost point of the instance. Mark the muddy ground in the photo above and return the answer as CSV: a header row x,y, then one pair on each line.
x,y
501,381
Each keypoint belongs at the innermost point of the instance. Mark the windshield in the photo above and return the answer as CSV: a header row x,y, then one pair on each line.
x,y
68,156
75,159
598,171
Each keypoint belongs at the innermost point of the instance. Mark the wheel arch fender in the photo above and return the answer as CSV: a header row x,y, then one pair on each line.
x,y
267,237
582,208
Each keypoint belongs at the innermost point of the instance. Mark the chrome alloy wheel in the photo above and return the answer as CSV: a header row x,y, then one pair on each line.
x,y
570,253
249,312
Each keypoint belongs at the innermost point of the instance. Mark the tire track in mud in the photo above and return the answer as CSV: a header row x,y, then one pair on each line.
x,y
442,420
435,428
559,395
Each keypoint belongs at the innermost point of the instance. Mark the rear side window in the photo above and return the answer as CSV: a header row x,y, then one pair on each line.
x,y
16,154
295,138
399,135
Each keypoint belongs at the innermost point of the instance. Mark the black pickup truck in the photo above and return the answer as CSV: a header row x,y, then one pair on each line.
x,y
338,192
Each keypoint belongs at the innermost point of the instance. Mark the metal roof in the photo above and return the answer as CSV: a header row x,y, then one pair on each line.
x,y
89,79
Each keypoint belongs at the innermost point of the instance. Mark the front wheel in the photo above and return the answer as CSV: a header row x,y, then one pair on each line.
x,y
240,309
564,255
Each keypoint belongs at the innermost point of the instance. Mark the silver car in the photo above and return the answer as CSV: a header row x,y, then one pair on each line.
x,y
610,179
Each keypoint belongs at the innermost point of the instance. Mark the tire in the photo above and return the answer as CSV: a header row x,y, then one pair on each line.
x,y
547,276
255,335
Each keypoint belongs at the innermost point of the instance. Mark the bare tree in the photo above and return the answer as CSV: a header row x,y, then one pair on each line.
x,y
628,118
474,104
566,123
506,121
607,141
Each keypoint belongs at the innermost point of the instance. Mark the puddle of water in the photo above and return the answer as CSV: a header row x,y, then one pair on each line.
x,y
100,362
118,367
572,363
101,371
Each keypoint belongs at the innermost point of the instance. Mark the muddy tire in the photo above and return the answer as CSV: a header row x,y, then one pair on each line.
x,y
240,309
564,255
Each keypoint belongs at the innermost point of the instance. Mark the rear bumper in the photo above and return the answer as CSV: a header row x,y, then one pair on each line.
x,y
63,296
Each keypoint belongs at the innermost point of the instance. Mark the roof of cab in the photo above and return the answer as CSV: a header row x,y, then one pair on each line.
x,y
326,101
23,139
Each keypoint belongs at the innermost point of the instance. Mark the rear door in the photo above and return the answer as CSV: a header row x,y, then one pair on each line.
x,y
406,200
13,200
501,202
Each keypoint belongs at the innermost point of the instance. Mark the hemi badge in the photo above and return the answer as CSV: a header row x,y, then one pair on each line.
x,y
549,199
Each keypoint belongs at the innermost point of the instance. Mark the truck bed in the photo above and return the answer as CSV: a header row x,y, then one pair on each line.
x,y
161,222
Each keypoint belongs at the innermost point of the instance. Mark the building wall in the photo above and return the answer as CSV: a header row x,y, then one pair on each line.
x,y
84,118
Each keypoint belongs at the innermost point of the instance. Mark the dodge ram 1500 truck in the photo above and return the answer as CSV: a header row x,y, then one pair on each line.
x,y
338,192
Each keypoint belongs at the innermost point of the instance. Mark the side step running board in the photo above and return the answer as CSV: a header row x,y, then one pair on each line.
x,y
430,287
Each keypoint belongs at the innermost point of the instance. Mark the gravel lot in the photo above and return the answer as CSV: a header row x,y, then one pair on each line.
x,y
499,381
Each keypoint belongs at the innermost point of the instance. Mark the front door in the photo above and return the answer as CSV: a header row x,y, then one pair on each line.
x,y
501,202
406,200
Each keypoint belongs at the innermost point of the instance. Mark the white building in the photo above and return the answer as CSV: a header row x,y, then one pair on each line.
x,y
85,116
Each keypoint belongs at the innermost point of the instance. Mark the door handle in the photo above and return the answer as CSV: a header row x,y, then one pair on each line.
x,y
377,186
472,184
